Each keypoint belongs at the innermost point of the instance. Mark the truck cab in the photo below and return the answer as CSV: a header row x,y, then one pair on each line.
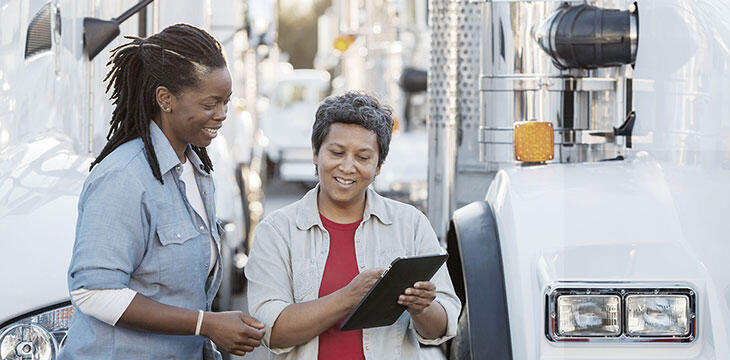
x,y
54,121
588,182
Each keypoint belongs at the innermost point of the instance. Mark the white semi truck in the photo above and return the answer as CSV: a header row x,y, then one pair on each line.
x,y
591,142
54,117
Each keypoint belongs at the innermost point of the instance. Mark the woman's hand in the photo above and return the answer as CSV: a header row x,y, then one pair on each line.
x,y
418,297
233,331
361,284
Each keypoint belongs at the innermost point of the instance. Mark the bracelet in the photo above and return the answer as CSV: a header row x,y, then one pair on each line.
x,y
200,322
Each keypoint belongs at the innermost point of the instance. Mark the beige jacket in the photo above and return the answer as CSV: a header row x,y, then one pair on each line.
x,y
288,257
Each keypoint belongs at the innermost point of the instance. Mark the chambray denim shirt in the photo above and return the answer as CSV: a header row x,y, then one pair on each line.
x,y
132,231
288,257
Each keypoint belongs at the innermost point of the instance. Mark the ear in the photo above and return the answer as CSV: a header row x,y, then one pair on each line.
x,y
164,98
377,171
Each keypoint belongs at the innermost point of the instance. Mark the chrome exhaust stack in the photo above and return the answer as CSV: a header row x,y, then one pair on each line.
x,y
563,64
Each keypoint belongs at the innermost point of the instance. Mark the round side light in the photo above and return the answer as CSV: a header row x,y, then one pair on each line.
x,y
27,342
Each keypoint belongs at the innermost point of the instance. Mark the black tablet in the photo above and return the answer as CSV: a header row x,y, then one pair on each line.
x,y
379,307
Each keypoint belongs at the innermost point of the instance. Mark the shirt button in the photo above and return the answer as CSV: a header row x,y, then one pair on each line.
x,y
205,266
202,227
205,193
202,167
177,168
178,236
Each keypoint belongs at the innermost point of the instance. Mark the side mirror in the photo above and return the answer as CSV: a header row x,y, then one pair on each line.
x,y
99,33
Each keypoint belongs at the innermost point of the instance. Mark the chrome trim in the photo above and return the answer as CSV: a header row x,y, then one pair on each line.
x,y
634,31
520,81
623,290
562,136
535,83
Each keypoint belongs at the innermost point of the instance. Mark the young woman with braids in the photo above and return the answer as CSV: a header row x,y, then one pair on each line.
x,y
145,264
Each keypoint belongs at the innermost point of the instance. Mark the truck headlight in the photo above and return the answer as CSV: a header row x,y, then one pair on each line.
x,y
589,315
36,337
657,315
620,312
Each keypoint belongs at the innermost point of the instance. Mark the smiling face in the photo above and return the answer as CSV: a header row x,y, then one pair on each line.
x,y
347,163
195,115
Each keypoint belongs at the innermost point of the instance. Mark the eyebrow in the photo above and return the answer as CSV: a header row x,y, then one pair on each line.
x,y
359,150
217,97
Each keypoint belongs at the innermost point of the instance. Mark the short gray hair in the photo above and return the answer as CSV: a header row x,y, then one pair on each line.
x,y
354,108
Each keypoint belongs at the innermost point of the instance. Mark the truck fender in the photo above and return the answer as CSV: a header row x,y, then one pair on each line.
x,y
475,265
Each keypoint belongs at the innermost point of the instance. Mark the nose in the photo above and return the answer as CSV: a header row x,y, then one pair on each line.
x,y
221,112
347,165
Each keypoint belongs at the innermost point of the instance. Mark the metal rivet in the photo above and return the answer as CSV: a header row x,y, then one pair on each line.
x,y
691,292
588,291
552,315
202,167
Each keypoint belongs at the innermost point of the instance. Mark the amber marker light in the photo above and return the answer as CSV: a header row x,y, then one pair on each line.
x,y
343,42
534,141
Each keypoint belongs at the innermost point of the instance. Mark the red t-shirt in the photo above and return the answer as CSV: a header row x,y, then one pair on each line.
x,y
340,269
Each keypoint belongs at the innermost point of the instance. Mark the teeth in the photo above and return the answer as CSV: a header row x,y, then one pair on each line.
x,y
343,181
212,131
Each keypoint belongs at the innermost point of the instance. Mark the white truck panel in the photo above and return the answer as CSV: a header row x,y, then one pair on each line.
x,y
605,222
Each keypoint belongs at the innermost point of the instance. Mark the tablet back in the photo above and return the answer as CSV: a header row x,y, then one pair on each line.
x,y
380,305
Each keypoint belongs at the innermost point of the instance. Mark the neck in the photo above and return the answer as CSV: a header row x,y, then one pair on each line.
x,y
343,213
179,148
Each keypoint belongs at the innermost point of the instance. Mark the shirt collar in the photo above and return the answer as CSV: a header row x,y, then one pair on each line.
x,y
195,161
166,156
308,212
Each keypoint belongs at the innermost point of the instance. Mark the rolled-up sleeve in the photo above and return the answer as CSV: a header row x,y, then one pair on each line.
x,y
268,272
445,294
110,233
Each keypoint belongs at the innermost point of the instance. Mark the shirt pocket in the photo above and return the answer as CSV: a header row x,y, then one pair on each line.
x,y
179,256
177,233
304,278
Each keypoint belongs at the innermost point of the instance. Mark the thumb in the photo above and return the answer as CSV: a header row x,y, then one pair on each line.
x,y
251,321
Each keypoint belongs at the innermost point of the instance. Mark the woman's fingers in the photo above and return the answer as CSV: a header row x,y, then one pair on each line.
x,y
428,294
248,342
415,300
237,352
418,297
425,285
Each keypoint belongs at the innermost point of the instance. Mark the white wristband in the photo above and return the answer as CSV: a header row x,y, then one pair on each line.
x,y
200,322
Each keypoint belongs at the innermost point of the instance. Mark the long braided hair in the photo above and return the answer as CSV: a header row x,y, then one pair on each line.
x,y
175,58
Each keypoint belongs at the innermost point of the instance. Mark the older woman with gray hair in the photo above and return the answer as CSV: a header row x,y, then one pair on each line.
x,y
314,260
